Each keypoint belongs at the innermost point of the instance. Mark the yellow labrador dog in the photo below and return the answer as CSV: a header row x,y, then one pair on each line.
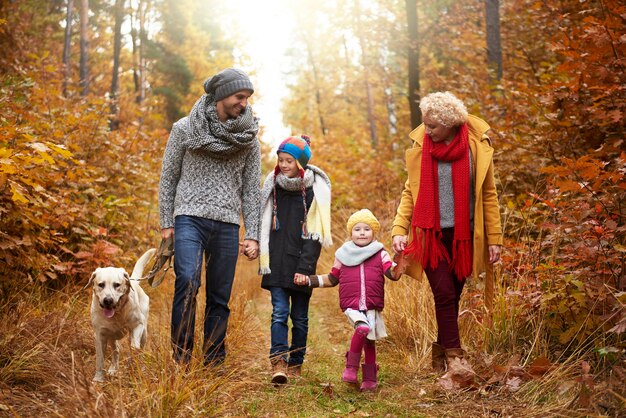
x,y
118,306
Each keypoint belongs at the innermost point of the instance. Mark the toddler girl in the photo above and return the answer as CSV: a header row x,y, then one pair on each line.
x,y
360,268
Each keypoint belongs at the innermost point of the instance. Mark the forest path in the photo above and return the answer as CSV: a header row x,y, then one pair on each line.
x,y
403,390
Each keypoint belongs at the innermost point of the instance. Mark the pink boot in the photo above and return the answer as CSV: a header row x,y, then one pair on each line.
x,y
370,377
351,372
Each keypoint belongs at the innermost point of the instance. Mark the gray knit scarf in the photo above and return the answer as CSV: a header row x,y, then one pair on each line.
x,y
351,254
291,184
219,139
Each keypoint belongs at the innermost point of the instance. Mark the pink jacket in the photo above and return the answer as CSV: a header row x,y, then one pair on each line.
x,y
362,287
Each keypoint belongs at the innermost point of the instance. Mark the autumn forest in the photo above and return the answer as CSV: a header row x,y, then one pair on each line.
x,y
88,94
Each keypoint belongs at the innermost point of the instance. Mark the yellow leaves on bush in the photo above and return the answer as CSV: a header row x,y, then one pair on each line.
x,y
65,181
17,193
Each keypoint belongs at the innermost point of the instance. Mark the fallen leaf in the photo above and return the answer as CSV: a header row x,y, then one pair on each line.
x,y
460,375
565,387
401,263
513,384
328,389
539,367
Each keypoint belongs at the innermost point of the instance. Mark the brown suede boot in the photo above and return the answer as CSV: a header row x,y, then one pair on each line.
x,y
279,371
295,370
438,358
451,353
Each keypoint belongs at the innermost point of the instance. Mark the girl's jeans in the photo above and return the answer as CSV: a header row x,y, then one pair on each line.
x,y
447,290
299,314
219,242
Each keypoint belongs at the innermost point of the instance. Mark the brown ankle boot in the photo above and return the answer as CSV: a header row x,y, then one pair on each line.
x,y
279,371
451,353
295,370
438,358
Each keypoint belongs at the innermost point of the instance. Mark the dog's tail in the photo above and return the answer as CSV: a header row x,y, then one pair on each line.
x,y
140,265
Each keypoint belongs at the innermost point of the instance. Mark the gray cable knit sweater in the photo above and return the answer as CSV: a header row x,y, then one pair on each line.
x,y
195,183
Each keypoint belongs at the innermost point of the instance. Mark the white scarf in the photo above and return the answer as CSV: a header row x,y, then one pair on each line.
x,y
350,254
318,217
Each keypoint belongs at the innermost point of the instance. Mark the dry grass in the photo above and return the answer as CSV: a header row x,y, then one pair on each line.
x,y
47,360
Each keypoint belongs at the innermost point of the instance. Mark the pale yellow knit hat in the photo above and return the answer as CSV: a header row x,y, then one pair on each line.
x,y
365,216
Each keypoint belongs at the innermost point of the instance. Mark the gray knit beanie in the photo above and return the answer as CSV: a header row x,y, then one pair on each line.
x,y
227,82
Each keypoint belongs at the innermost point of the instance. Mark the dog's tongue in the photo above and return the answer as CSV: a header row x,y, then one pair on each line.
x,y
108,312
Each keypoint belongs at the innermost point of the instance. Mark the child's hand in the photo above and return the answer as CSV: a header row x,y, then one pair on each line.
x,y
249,248
301,279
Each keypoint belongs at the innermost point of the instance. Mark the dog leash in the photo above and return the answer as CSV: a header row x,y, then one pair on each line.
x,y
164,256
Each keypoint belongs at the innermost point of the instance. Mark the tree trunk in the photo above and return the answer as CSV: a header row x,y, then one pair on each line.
x,y
66,46
84,44
366,75
135,44
117,46
392,119
143,8
494,47
318,94
414,70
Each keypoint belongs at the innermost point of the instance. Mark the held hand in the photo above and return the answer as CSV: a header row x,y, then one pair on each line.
x,y
399,243
494,253
249,248
167,232
301,279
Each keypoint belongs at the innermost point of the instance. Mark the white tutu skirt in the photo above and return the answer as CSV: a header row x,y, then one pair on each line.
x,y
373,319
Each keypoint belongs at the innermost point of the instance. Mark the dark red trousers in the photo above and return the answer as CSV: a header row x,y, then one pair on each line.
x,y
447,290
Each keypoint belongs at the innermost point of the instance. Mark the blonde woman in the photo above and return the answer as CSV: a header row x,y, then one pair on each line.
x,y
448,221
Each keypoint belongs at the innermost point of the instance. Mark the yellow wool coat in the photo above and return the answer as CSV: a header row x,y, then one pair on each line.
x,y
487,225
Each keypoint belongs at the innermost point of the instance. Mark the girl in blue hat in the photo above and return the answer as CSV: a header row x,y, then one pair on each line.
x,y
295,224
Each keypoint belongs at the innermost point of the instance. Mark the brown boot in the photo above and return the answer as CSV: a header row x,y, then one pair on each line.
x,y
438,358
279,371
295,370
451,353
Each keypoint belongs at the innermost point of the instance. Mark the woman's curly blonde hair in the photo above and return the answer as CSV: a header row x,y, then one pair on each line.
x,y
444,108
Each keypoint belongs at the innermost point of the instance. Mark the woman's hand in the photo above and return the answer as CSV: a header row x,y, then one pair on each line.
x,y
399,243
301,279
494,253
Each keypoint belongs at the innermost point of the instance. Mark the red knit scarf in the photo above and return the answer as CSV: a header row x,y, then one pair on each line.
x,y
426,246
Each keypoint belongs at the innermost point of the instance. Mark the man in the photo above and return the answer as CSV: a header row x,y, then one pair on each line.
x,y
210,176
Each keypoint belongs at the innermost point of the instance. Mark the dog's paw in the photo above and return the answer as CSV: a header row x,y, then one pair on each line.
x,y
99,378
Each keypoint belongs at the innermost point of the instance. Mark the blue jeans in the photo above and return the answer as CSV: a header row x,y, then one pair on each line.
x,y
299,314
219,242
